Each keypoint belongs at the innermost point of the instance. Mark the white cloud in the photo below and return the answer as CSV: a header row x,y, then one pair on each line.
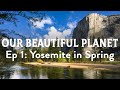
x,y
53,33
67,32
41,24
71,25
61,28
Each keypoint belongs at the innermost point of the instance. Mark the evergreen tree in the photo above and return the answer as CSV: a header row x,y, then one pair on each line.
x,y
54,50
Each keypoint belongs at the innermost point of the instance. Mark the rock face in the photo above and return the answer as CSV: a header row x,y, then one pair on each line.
x,y
97,26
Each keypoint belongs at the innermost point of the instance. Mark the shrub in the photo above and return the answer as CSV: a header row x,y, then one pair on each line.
x,y
85,59
40,61
71,56
62,60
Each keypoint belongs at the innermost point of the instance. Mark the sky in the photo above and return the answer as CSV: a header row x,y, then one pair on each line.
x,y
58,24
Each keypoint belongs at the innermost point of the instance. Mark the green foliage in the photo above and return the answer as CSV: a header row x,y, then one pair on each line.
x,y
12,16
45,51
85,59
62,60
54,50
28,59
104,59
40,61
108,62
71,56
3,60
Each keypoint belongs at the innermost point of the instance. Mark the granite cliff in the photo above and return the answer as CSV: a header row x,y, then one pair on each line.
x,y
97,26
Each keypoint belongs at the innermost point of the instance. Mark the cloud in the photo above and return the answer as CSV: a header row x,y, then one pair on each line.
x,y
41,24
61,28
67,32
71,25
53,33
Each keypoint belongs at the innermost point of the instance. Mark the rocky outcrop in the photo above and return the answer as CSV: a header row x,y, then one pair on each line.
x,y
97,26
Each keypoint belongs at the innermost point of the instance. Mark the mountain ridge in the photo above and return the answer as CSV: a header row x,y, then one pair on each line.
x,y
97,26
